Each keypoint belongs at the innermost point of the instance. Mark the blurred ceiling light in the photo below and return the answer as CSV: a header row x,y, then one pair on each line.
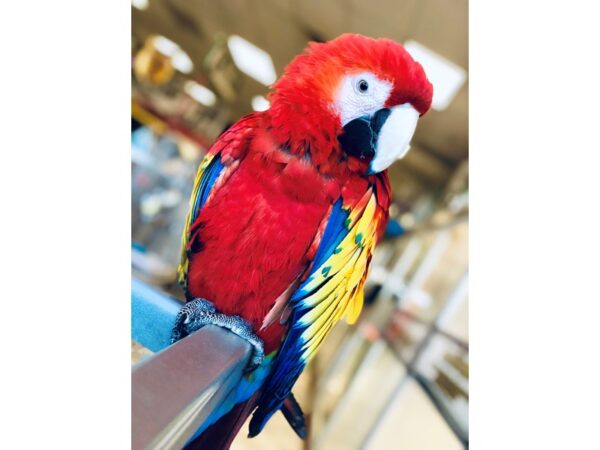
x,y
180,59
166,46
259,103
139,4
446,77
251,60
182,62
200,93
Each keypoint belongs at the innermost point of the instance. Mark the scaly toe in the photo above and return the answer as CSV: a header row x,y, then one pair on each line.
x,y
200,312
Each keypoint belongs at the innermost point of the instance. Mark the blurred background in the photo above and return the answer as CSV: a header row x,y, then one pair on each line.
x,y
398,379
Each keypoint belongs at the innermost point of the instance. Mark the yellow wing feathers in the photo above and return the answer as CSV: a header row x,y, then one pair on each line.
x,y
336,286
194,204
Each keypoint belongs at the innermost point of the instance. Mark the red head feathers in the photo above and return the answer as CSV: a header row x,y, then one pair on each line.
x,y
304,113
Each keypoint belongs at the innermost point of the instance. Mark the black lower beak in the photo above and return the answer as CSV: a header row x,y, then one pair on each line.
x,y
359,137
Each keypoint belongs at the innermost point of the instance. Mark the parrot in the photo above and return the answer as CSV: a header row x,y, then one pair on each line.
x,y
286,209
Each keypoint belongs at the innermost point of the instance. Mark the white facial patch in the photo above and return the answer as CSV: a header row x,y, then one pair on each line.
x,y
352,101
394,137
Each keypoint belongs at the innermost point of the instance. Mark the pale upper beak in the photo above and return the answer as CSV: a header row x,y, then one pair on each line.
x,y
394,137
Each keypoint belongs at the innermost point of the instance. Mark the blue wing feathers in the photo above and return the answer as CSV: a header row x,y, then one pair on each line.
x,y
335,231
290,363
208,180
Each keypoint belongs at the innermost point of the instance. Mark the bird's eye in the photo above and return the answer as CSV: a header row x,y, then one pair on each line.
x,y
362,86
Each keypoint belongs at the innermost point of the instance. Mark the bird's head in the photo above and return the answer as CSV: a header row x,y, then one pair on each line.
x,y
354,98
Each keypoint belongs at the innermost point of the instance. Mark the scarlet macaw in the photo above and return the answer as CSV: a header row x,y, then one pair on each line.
x,y
286,209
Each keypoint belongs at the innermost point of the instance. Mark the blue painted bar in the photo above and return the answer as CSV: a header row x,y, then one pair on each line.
x,y
152,316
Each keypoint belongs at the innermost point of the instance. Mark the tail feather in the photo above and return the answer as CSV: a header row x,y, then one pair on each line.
x,y
293,414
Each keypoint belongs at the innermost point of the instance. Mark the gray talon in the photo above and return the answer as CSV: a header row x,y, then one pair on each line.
x,y
199,312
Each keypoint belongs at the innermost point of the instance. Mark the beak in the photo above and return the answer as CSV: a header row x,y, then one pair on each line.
x,y
382,138
394,137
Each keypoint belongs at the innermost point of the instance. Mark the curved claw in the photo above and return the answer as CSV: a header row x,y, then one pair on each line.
x,y
191,317
200,312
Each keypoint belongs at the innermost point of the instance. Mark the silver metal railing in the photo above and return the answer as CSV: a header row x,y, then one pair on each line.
x,y
174,390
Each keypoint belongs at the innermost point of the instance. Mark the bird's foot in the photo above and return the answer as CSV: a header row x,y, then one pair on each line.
x,y
199,312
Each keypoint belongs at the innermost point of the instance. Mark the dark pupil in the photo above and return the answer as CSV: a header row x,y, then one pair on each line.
x,y
363,86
